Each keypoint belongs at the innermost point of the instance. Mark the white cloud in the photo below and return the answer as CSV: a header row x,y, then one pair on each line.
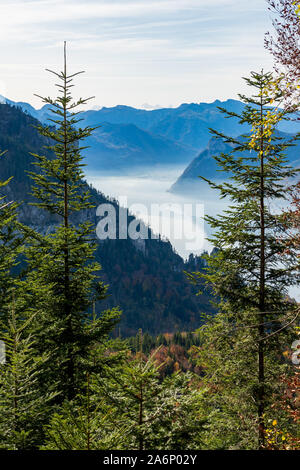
x,y
46,11
149,49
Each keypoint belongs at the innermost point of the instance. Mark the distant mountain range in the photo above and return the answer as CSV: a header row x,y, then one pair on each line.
x,y
205,165
130,137
187,125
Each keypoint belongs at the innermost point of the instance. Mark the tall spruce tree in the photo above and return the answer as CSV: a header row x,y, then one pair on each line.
x,y
63,259
251,270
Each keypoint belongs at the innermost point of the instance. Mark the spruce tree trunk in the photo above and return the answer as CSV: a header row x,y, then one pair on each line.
x,y
261,359
69,332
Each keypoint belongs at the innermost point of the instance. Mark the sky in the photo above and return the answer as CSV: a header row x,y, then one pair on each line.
x,y
134,52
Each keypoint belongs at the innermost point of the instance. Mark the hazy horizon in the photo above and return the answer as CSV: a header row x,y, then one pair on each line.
x,y
144,107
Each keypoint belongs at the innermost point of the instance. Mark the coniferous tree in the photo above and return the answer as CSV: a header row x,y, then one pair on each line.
x,y
250,270
89,421
63,260
85,423
153,413
22,407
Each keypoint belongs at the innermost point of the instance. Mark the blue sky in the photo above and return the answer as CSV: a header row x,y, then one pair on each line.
x,y
161,52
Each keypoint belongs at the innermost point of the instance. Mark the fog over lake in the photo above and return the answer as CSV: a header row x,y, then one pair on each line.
x,y
180,218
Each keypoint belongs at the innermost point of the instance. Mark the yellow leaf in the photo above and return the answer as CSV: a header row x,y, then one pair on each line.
x,y
274,422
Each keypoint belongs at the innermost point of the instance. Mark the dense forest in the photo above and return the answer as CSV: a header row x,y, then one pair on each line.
x,y
205,353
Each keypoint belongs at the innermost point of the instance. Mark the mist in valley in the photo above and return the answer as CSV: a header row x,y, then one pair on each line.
x,y
143,189
180,219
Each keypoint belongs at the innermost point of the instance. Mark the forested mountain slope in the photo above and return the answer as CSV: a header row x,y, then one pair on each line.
x,y
205,165
116,146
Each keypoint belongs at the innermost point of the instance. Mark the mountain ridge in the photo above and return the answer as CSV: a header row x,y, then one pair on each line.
x,y
187,125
